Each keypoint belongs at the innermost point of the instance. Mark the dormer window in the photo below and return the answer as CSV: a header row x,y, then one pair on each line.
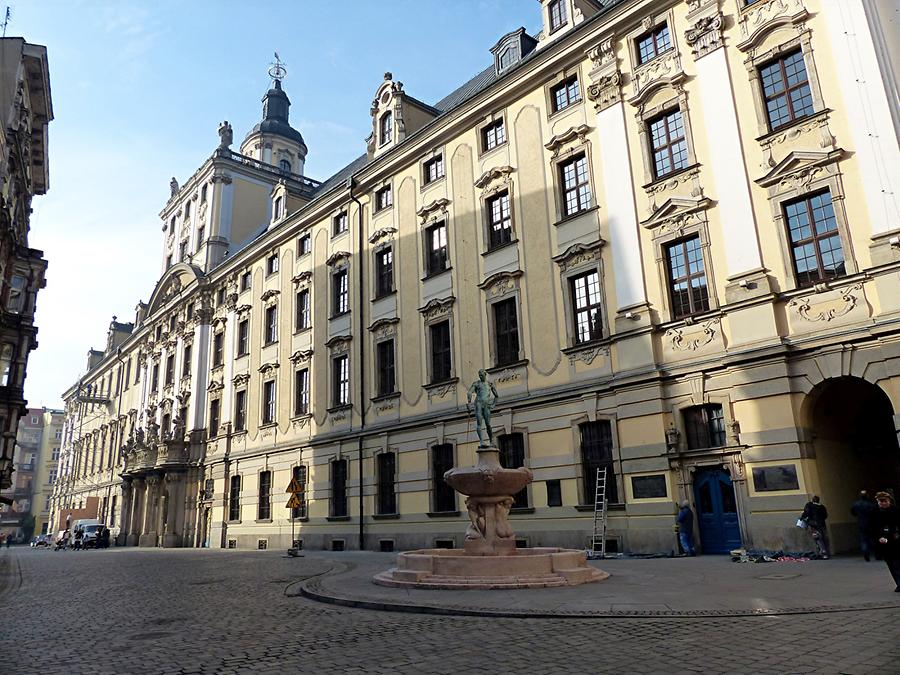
x,y
558,17
511,49
285,166
509,56
386,128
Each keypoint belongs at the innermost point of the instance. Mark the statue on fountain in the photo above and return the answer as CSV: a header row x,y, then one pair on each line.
x,y
485,395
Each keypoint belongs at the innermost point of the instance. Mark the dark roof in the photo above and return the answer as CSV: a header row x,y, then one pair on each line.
x,y
479,83
342,175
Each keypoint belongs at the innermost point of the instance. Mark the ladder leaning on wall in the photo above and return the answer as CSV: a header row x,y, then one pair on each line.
x,y
598,538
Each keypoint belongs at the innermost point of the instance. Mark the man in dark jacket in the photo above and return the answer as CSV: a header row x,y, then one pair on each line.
x,y
685,522
885,531
863,508
815,514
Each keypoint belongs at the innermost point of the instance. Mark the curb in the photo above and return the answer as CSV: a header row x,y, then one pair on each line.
x,y
313,589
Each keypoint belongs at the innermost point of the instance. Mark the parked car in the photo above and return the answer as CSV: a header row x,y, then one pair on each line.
x,y
44,540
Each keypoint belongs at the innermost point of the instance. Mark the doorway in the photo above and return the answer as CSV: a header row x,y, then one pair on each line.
x,y
855,447
717,515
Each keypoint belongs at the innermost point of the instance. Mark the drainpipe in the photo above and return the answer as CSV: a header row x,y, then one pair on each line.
x,y
118,448
360,236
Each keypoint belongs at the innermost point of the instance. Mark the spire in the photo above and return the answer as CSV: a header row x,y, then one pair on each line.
x,y
276,105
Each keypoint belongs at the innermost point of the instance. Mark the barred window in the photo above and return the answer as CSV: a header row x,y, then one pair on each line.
x,y
234,499
705,425
264,505
576,185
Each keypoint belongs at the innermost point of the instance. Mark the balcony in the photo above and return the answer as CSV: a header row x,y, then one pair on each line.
x,y
170,453
142,459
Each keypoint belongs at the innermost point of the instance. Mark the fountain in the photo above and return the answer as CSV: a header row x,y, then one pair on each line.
x,y
490,558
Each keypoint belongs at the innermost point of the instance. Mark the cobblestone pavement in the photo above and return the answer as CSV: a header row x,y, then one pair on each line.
x,y
189,611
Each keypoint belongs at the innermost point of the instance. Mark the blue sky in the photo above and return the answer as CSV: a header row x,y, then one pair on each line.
x,y
139,89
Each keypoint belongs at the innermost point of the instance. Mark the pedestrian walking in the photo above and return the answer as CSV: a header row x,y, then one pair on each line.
x,y
814,515
863,508
8,540
885,532
685,522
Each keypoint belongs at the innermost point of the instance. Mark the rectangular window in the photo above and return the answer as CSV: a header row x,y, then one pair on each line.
x,y
576,185
304,245
565,94
340,378
384,365
687,278
185,361
340,292
506,332
669,144
786,89
51,477
301,392
773,478
596,453
201,235
246,280
214,406
220,297
436,248
182,251
433,169
387,483
234,499
55,455
268,411
652,44
243,337
585,294
264,505
7,350
512,456
127,382
339,224
815,242
441,462
705,426
272,264
240,410
557,14
218,355
492,135
441,364
301,317
500,220
154,379
384,272
554,492
271,324
298,473
339,488
384,199
170,370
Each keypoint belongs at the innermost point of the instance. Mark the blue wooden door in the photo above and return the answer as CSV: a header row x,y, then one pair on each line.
x,y
716,511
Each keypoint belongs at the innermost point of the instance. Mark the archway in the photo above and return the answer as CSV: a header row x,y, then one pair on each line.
x,y
855,442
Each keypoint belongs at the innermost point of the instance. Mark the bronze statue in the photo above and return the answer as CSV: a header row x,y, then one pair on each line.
x,y
485,395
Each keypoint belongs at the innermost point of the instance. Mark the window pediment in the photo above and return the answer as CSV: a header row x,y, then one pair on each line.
x,y
493,174
337,258
302,278
384,327
571,135
758,20
339,344
501,283
677,213
268,368
437,308
382,233
799,167
579,254
434,209
241,379
301,356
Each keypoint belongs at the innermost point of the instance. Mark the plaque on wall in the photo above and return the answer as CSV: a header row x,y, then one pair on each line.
x,y
649,487
772,478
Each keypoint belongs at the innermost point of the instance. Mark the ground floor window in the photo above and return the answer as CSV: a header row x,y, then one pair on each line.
x,y
596,453
387,481
339,488
441,462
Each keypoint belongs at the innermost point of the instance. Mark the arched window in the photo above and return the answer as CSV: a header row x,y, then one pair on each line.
x,y
284,165
387,128
279,207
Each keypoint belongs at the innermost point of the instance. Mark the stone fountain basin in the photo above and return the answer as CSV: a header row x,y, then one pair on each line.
x,y
523,568
480,482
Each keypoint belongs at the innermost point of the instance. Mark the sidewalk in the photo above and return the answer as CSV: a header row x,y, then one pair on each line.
x,y
669,587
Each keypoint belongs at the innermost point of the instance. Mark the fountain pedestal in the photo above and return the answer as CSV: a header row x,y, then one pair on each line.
x,y
490,558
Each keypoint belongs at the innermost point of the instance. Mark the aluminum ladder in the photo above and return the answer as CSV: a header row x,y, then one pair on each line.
x,y
598,538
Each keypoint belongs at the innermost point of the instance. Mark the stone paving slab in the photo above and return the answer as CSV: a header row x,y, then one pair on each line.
x,y
673,587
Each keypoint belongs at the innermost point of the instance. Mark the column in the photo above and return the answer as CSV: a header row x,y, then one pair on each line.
x,y
125,515
138,498
148,531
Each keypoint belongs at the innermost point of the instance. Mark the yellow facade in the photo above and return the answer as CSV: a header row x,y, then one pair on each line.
x,y
731,388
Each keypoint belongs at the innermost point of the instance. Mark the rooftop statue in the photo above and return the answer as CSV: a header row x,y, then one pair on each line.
x,y
226,135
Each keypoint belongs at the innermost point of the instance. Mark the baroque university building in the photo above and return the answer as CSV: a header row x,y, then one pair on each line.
x,y
669,230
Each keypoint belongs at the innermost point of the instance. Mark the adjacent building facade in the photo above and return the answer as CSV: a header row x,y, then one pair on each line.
x,y
26,110
669,230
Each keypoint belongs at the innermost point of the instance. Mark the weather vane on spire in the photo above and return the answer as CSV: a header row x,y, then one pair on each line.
x,y
277,70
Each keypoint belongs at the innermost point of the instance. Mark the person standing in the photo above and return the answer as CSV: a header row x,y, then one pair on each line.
x,y
863,508
815,514
885,531
685,520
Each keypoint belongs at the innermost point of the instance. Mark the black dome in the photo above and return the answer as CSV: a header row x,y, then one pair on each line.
x,y
276,110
